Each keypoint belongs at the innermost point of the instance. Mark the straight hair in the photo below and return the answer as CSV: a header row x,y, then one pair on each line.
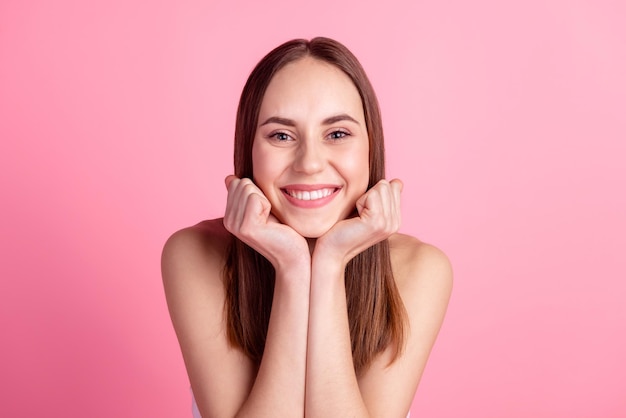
x,y
376,314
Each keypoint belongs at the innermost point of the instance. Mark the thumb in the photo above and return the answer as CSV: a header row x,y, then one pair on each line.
x,y
360,203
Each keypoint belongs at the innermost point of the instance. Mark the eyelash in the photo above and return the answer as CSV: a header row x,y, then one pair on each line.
x,y
332,136
275,136
343,135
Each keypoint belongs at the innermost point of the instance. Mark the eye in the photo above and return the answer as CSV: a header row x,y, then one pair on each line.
x,y
337,135
281,137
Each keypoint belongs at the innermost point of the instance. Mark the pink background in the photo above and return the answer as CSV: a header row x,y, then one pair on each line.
x,y
505,119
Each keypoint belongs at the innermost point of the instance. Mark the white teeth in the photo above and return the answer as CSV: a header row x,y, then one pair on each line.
x,y
310,195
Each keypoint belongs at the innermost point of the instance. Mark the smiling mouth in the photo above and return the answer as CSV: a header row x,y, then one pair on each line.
x,y
310,194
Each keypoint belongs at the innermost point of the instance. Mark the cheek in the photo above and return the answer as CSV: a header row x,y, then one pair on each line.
x,y
258,168
265,168
356,167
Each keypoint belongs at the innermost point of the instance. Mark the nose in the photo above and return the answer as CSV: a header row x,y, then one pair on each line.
x,y
309,157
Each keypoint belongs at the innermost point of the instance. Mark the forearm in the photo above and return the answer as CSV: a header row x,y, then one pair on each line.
x,y
331,385
278,390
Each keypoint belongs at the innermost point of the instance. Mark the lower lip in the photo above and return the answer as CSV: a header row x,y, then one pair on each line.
x,y
311,204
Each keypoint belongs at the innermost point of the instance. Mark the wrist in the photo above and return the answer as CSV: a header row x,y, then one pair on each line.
x,y
329,256
299,266
327,263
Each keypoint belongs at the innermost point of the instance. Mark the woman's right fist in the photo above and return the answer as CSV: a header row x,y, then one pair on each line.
x,y
248,217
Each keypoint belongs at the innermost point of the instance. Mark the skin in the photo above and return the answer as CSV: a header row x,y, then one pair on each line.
x,y
311,132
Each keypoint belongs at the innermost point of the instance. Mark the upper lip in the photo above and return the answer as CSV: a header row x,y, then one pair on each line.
x,y
309,187
307,192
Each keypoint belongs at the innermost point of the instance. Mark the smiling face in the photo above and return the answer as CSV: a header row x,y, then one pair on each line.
x,y
310,154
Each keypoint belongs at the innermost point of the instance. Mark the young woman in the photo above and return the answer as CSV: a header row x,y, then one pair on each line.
x,y
304,299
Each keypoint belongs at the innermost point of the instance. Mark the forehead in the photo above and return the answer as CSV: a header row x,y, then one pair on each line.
x,y
311,88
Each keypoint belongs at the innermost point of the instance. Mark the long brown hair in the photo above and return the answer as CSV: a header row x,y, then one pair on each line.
x,y
375,311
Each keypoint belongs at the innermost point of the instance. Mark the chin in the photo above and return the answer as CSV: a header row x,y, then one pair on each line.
x,y
311,232
311,229
312,226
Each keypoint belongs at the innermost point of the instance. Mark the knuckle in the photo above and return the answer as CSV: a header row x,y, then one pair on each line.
x,y
244,230
233,184
228,224
249,187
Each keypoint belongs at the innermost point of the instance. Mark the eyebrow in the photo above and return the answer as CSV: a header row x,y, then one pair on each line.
x,y
328,121
339,118
280,121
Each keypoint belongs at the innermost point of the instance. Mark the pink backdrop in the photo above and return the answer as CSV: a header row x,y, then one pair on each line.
x,y
504,119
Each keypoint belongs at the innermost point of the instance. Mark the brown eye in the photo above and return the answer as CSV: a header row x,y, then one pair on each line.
x,y
336,135
280,136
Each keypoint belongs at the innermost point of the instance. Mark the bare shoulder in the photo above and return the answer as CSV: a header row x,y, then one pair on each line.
x,y
203,243
195,253
423,276
416,263
192,267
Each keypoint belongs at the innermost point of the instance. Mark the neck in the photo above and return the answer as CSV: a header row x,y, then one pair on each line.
x,y
311,242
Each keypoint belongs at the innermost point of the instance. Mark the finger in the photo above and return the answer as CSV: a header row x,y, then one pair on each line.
x,y
229,179
360,203
256,208
378,199
235,203
389,216
371,203
397,185
386,200
365,203
229,213
231,183
238,191
241,195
